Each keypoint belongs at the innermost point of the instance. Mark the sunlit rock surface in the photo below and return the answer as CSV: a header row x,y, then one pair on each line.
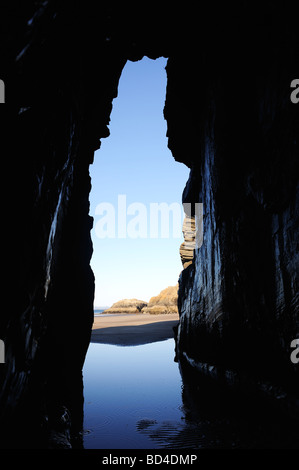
x,y
126,306
163,303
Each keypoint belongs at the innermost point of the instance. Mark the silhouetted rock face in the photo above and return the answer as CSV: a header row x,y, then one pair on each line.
x,y
163,303
238,300
127,306
229,118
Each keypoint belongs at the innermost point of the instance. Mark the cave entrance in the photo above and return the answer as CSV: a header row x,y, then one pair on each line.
x,y
135,198
129,372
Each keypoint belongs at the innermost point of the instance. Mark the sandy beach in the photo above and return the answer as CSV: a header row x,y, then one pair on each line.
x,y
133,329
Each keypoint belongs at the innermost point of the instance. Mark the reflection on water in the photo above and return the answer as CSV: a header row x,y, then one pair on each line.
x,y
134,399
127,391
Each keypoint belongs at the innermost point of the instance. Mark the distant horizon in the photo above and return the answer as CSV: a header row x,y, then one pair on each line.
x,y
103,307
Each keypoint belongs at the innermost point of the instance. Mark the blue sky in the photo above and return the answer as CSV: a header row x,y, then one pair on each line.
x,y
134,161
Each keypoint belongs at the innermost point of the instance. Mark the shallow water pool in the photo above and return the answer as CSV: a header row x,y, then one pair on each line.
x,y
134,398
131,394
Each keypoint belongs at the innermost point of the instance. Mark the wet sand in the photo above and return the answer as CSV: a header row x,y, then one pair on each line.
x,y
133,329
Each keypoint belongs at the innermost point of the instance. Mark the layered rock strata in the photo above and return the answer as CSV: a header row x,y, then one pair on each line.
x,y
188,245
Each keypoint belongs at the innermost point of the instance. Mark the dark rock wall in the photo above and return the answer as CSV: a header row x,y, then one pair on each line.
x,y
61,63
229,119
238,301
57,108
